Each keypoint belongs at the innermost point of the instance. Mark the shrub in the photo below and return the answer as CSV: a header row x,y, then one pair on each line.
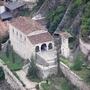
x,y
2,75
85,25
54,17
88,77
77,64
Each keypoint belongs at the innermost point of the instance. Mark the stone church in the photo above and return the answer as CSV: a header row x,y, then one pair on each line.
x,y
28,37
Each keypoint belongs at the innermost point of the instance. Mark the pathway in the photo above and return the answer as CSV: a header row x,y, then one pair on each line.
x,y
29,84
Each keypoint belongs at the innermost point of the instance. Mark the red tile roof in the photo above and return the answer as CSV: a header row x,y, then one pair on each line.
x,y
26,25
3,28
1,3
40,38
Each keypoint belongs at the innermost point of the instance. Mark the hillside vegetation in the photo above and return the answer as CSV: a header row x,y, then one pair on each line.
x,y
70,15
85,26
54,17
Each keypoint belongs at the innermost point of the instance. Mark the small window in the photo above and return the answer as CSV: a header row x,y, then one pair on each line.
x,y
37,49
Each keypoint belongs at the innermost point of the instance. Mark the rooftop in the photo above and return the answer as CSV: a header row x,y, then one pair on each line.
x,y
6,15
14,5
26,25
40,38
1,3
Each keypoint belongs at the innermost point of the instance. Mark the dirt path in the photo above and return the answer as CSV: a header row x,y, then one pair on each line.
x,y
29,84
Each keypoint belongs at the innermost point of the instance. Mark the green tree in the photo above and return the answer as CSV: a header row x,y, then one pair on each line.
x,y
32,71
40,2
88,77
7,50
77,63
12,54
85,25
54,17
2,75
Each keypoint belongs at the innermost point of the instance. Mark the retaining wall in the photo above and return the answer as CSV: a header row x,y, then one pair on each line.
x,y
85,47
11,79
75,79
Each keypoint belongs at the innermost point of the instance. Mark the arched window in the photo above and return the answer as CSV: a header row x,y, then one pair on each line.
x,y
37,49
50,46
43,47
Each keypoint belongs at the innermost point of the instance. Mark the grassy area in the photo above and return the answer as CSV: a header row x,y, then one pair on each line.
x,y
66,61
83,73
57,83
16,65
78,66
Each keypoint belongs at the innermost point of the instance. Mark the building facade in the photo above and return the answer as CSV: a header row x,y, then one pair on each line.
x,y
29,37
65,50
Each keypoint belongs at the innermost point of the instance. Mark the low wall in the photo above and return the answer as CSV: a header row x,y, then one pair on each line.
x,y
41,61
75,79
45,72
11,79
85,47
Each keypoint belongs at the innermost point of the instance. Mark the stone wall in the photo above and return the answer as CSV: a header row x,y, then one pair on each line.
x,y
85,47
45,72
11,79
75,79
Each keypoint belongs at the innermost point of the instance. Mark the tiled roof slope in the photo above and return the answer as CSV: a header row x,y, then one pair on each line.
x,y
26,25
40,38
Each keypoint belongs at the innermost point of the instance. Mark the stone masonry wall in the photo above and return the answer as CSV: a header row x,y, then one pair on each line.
x,y
75,79
85,47
11,79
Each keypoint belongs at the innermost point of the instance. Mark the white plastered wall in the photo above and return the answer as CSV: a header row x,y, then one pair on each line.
x,y
65,51
20,43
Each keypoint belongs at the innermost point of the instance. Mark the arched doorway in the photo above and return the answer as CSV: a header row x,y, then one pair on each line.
x,y
37,49
50,46
43,47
